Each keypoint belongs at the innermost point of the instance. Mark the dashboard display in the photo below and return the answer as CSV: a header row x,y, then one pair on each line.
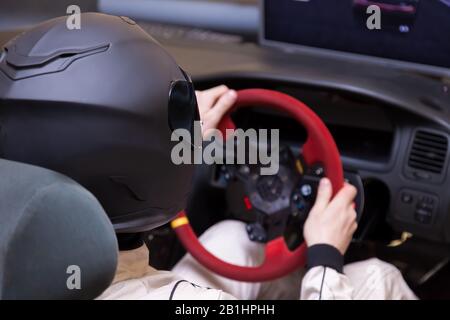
x,y
416,31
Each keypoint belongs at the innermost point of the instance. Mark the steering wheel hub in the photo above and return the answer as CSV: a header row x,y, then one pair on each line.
x,y
269,187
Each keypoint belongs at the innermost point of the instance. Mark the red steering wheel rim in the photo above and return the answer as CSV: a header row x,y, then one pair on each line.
x,y
319,147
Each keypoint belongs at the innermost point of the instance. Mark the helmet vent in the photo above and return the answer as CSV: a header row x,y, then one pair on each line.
x,y
17,66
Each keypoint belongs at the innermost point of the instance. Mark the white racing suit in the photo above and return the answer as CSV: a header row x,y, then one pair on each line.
x,y
325,277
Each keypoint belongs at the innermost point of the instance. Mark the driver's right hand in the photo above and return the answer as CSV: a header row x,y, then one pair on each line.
x,y
332,221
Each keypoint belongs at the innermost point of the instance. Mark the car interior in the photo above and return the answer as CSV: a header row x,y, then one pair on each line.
x,y
383,94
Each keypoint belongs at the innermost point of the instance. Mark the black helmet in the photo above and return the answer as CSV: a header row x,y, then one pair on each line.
x,y
99,104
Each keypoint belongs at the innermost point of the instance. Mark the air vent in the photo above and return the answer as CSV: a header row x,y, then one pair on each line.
x,y
428,152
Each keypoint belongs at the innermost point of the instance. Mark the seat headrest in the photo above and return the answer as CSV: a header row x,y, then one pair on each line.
x,y
56,242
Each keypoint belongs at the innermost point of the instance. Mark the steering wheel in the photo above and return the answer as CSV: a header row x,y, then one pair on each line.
x,y
319,151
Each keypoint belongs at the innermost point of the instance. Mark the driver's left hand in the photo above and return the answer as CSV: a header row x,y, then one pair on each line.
x,y
213,104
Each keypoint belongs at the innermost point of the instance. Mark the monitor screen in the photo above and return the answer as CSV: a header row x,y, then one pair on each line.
x,y
416,31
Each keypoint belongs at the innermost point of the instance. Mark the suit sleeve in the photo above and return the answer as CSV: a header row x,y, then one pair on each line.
x,y
324,279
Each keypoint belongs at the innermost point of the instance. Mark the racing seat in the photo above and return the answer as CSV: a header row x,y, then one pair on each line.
x,y
56,242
